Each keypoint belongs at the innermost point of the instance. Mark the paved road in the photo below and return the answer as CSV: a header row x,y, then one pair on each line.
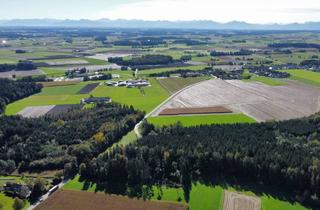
x,y
45,196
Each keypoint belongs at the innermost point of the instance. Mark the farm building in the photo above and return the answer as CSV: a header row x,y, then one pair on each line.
x,y
95,100
129,83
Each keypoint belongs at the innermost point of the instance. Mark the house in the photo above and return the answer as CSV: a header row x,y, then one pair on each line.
x,y
95,100
20,190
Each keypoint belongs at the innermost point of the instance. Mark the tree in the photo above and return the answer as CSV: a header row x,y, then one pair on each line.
x,y
18,204
39,187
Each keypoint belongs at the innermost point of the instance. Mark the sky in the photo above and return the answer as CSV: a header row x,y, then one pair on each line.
x,y
251,11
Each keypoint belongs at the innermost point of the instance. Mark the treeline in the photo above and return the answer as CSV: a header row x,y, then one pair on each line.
x,y
241,52
142,41
311,62
284,154
21,66
143,60
295,45
11,91
209,71
61,142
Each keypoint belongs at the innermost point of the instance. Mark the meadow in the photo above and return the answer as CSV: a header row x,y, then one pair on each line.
x,y
193,120
265,80
309,77
202,196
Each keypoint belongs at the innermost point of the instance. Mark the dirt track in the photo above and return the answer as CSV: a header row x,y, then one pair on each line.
x,y
255,99
236,201
80,200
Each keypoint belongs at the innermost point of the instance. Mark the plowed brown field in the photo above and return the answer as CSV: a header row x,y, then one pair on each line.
x,y
199,110
236,201
80,200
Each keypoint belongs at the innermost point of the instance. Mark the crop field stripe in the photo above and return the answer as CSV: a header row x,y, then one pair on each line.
x,y
193,120
80,200
88,88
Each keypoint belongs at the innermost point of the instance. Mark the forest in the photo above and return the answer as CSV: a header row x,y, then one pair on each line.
x,y
11,91
143,60
60,142
284,154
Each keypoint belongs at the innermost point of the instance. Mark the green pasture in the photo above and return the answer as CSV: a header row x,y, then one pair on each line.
x,y
202,196
265,80
309,77
193,120
160,70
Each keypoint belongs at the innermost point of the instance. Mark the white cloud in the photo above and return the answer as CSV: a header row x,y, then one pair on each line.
x,y
253,11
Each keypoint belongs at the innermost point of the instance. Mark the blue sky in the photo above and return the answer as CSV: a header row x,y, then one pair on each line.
x,y
253,11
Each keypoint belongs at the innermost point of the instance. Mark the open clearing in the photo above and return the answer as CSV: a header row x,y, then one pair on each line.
x,y
257,100
236,201
79,200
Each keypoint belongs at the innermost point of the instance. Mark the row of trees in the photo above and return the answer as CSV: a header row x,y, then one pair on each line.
x,y
21,66
241,52
57,142
143,60
14,90
284,154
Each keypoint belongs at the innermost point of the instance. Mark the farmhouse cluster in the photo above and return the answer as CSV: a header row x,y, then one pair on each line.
x,y
129,83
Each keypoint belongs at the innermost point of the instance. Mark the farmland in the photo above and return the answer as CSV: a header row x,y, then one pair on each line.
x,y
225,110
173,85
66,199
305,76
259,101
204,197
192,120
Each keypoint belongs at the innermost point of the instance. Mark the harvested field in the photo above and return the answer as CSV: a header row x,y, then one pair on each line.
x,y
199,110
174,84
38,111
88,88
236,201
106,56
9,74
35,111
59,109
66,62
257,100
80,200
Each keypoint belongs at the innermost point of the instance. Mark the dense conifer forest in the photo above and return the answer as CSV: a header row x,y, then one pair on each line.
x,y
284,154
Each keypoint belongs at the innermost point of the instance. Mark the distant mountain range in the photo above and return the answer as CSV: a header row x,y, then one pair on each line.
x,y
196,24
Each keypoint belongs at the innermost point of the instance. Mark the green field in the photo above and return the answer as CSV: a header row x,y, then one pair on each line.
x,y
202,197
175,84
53,72
265,80
145,100
193,120
309,77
